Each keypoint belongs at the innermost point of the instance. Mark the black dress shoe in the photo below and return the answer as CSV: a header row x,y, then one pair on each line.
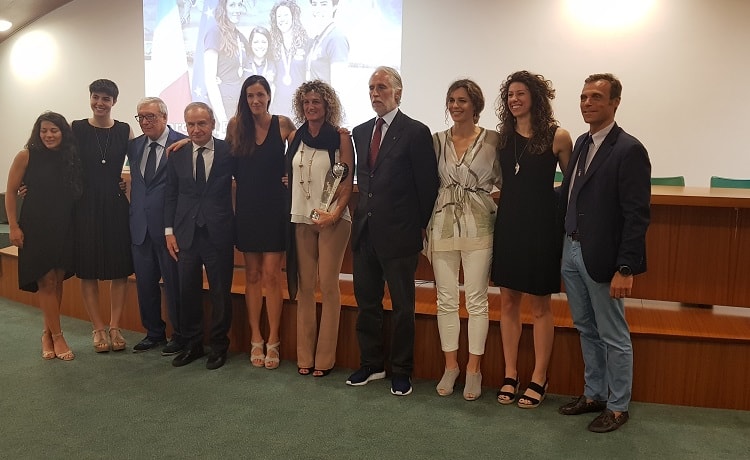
x,y
582,406
188,355
147,344
216,360
607,421
173,347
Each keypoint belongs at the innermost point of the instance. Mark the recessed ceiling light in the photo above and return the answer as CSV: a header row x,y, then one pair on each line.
x,y
5,25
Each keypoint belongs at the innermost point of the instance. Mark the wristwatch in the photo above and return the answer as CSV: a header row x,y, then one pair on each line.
x,y
624,270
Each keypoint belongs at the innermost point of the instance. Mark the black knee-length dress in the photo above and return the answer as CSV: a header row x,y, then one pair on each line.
x,y
528,238
102,232
261,210
46,220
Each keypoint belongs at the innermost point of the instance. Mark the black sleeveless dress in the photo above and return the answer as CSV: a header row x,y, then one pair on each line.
x,y
46,220
102,232
528,241
261,210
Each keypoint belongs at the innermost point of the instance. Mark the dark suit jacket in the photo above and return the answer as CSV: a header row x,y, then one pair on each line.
x,y
613,205
147,202
395,197
183,202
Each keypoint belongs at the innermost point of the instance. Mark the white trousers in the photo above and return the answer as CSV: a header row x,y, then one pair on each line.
x,y
476,267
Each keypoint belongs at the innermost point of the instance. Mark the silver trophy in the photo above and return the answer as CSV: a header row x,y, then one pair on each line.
x,y
335,175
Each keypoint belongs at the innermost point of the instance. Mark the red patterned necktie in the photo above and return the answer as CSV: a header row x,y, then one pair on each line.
x,y
375,143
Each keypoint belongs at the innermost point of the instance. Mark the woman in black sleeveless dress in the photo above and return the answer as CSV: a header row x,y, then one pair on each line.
x,y
102,233
528,241
50,169
258,141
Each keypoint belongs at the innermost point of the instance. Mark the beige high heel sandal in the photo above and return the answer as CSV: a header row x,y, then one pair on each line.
x,y
66,355
101,343
272,362
257,359
118,341
47,353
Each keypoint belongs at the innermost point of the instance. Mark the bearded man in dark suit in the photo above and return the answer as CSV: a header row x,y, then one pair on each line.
x,y
398,182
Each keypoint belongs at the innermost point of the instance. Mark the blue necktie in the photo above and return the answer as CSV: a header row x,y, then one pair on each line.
x,y
150,171
571,216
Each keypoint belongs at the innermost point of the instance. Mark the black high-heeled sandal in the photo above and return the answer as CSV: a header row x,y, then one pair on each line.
x,y
304,371
534,402
511,396
321,373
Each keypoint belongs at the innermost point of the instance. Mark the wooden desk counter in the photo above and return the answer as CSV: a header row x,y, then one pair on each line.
x,y
700,196
698,247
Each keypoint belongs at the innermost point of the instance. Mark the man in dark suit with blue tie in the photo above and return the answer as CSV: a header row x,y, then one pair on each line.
x,y
152,262
398,182
198,219
605,201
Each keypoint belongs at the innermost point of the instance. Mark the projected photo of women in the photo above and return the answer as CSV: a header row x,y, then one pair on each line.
x,y
286,41
260,61
289,42
224,56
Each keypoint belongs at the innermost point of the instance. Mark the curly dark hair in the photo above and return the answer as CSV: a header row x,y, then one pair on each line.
x,y
334,110
299,33
543,119
73,171
243,133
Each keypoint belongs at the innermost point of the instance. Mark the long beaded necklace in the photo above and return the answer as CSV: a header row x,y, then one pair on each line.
x,y
309,170
102,151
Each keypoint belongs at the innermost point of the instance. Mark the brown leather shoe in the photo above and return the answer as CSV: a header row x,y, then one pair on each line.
x,y
606,421
581,406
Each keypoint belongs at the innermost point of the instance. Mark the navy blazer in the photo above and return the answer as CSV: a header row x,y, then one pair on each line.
x,y
183,201
396,197
147,202
613,205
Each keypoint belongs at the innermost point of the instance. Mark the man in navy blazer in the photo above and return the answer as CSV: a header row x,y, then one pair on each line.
x,y
605,201
398,182
198,219
150,256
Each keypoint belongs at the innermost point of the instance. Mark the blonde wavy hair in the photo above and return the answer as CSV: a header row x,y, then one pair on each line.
x,y
334,110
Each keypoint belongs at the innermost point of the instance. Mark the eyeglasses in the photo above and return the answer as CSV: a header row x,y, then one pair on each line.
x,y
150,117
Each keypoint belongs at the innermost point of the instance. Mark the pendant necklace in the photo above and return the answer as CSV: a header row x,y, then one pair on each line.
x,y
516,155
102,151
309,171
286,59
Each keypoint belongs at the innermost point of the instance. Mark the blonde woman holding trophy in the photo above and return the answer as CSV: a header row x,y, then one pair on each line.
x,y
319,166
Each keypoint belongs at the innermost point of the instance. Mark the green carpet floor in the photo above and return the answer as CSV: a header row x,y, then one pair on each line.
x,y
125,405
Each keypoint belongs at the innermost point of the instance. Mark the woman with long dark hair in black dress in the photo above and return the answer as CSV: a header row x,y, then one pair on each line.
x,y
258,141
50,168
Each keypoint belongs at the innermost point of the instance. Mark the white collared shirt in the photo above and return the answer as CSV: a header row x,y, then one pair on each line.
x,y
387,120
